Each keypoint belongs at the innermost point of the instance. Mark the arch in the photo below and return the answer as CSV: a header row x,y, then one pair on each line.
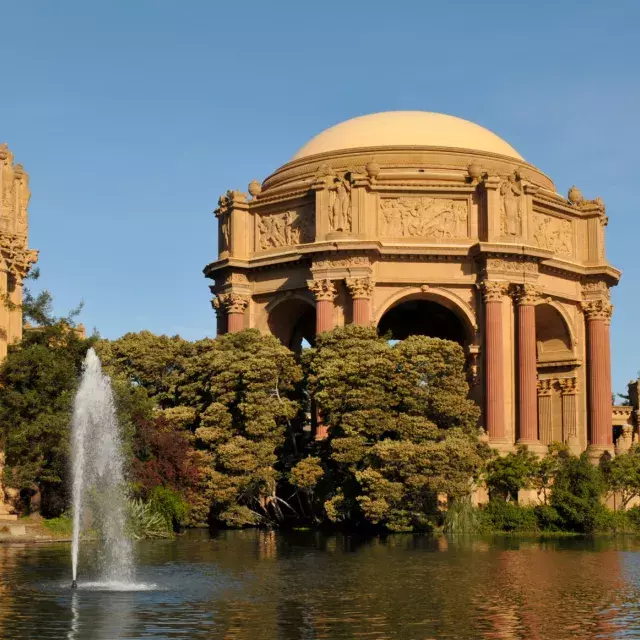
x,y
292,319
451,301
569,324
554,341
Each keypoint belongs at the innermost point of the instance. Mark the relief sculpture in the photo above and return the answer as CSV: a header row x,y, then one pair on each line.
x,y
553,234
340,205
511,207
437,218
286,229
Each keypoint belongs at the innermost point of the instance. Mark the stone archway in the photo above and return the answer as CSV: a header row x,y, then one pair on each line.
x,y
293,320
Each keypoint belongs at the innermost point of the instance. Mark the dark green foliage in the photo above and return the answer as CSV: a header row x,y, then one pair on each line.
x,y
401,429
622,476
170,505
499,515
506,475
577,494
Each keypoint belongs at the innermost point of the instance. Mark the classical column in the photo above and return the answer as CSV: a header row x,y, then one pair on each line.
x,y
324,292
493,293
545,424
598,317
235,305
525,297
569,392
361,290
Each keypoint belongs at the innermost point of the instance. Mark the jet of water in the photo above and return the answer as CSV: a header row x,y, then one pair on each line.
x,y
98,473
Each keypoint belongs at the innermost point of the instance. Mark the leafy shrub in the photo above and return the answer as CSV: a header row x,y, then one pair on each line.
x,y
498,515
170,505
462,517
144,522
548,518
633,517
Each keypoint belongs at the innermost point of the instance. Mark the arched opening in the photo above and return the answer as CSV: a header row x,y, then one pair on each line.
x,y
423,318
553,340
293,322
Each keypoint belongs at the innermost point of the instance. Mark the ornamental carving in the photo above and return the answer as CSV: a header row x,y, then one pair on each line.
x,y
552,234
360,288
545,387
322,289
493,291
597,309
232,302
17,258
526,294
596,287
286,229
14,194
353,261
340,204
513,266
568,386
229,200
511,206
438,218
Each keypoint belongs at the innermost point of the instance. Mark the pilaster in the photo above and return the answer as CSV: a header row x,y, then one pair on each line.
x,y
545,423
235,231
569,395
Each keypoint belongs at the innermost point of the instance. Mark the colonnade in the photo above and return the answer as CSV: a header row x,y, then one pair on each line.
x,y
533,396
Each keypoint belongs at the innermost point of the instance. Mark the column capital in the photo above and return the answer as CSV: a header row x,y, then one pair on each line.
x,y
545,387
568,386
232,302
493,290
597,309
360,288
322,289
525,294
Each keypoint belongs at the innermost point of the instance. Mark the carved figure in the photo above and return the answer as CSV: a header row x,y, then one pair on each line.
x,y
340,214
285,229
438,218
553,234
511,192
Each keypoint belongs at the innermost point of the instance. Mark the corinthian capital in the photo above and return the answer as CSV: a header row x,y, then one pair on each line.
x,y
493,290
597,309
322,289
360,288
526,294
232,302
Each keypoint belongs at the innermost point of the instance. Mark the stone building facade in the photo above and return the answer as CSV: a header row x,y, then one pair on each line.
x,y
423,223
16,258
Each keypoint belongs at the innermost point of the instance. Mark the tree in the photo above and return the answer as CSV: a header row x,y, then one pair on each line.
x,y
506,475
622,475
38,380
401,429
242,387
152,362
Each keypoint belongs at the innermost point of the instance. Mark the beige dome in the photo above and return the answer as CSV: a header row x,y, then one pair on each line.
x,y
407,129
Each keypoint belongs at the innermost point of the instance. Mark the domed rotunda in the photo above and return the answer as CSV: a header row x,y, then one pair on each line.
x,y
424,223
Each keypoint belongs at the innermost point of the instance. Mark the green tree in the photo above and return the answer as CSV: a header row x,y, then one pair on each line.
x,y
38,380
401,429
243,389
622,475
506,475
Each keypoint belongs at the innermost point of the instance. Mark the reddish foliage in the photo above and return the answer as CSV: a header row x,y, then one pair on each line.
x,y
164,456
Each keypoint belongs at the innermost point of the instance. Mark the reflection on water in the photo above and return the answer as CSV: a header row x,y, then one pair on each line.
x,y
263,585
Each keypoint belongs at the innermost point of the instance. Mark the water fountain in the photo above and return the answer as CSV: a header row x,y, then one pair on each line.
x,y
98,476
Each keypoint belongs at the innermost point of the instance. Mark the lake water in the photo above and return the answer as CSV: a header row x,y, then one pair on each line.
x,y
264,585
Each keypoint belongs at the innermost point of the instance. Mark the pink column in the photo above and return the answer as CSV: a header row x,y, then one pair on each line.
x,y
324,292
235,305
598,314
361,290
526,295
494,359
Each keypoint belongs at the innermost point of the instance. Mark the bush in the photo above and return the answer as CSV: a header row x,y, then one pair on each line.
x,y
169,505
498,515
143,522
62,526
548,518
462,517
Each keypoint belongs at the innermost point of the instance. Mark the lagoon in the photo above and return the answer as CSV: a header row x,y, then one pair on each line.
x,y
303,585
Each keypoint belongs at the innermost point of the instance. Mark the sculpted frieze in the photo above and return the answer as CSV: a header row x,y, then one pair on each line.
x,y
553,234
424,217
286,229
513,266
352,261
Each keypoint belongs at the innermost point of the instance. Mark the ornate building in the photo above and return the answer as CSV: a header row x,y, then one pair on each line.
x,y
423,223
15,261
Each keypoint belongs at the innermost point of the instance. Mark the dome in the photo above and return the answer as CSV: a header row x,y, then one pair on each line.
x,y
407,129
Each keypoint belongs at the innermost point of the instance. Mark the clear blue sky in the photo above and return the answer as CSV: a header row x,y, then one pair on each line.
x,y
132,117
